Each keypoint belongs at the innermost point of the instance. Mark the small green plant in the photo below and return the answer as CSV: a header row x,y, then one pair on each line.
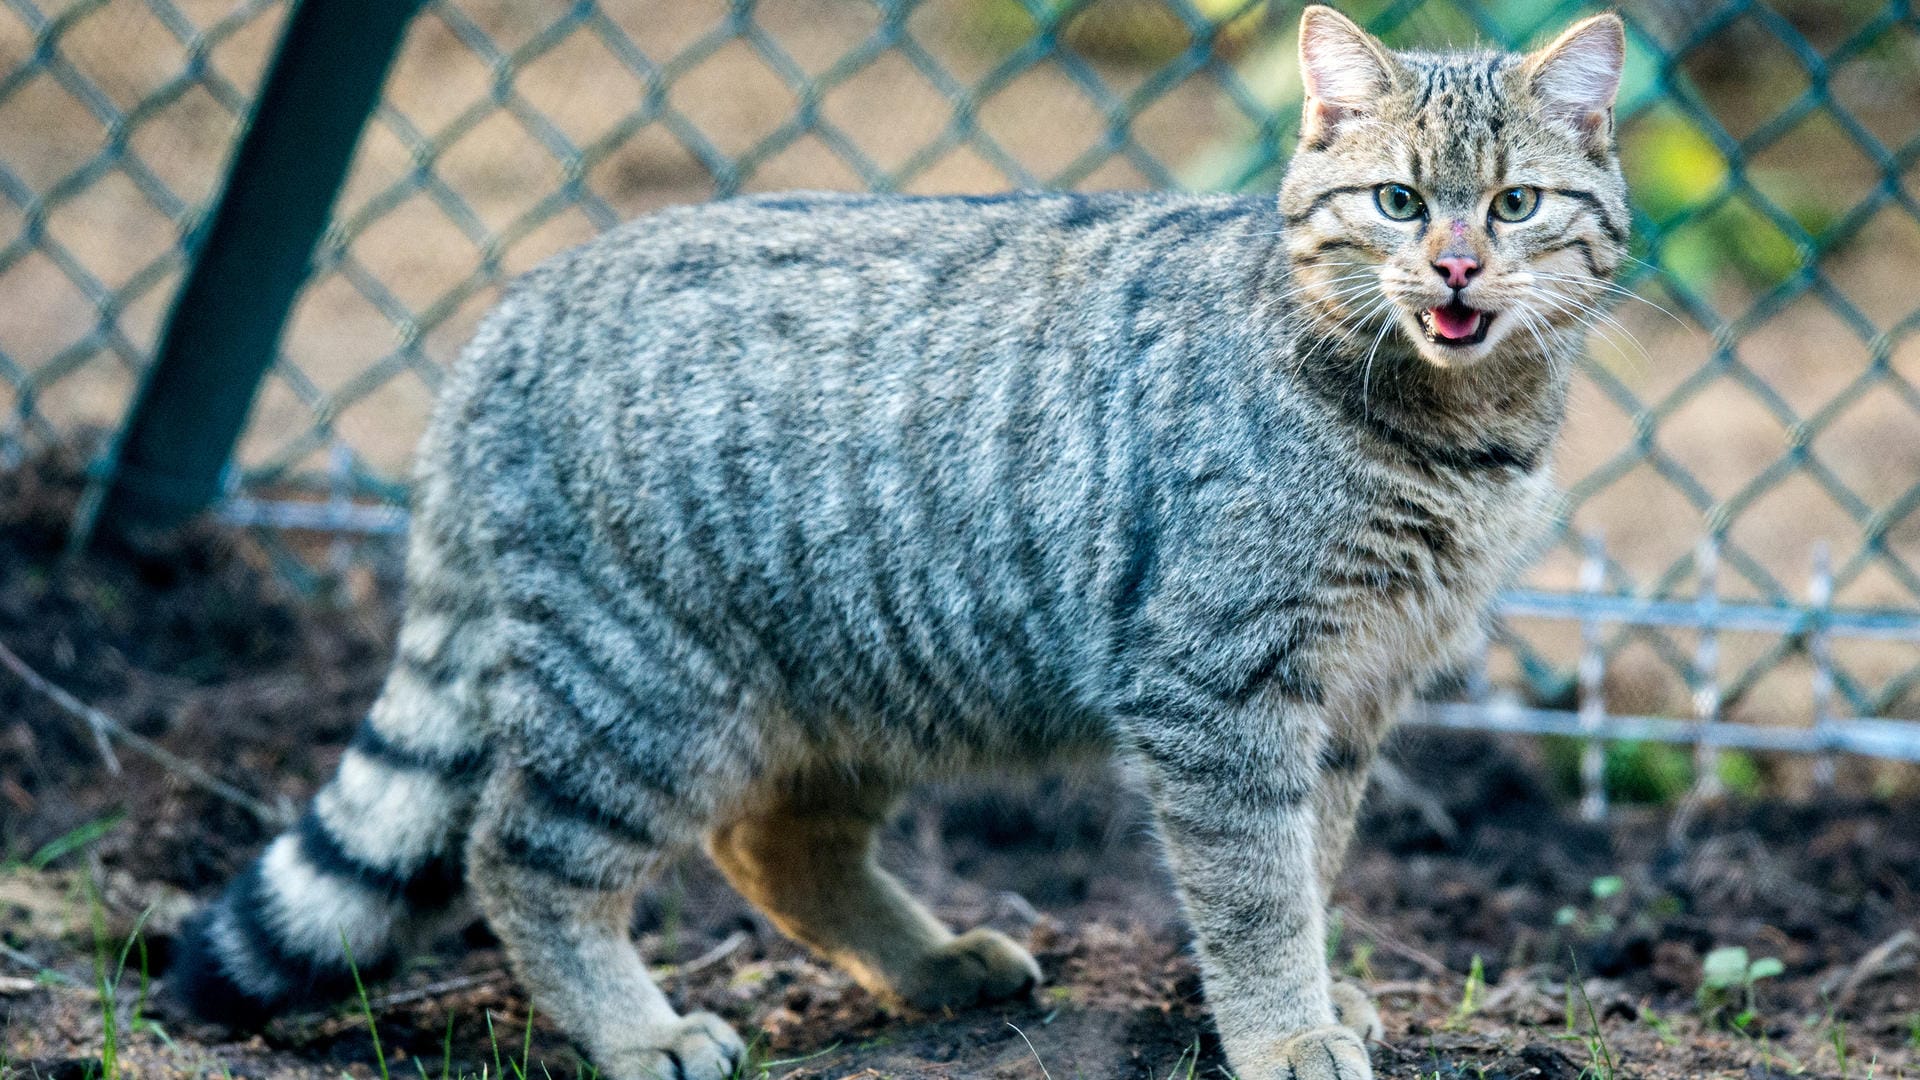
x,y
109,970
1600,1061
77,839
1360,961
1602,916
1729,978
446,1053
511,1068
1187,1065
761,1070
366,1005
526,1046
1645,773
1662,1027
1471,996
1837,1038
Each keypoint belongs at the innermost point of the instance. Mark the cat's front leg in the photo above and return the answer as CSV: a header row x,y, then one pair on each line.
x,y
1234,798
1345,761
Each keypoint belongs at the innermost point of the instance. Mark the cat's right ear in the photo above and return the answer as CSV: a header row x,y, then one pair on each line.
x,y
1577,77
1345,71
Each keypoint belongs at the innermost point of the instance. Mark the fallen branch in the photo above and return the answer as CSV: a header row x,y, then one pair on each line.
x,y
705,960
1424,960
437,989
1420,987
1396,786
1881,959
98,723
40,971
106,728
459,983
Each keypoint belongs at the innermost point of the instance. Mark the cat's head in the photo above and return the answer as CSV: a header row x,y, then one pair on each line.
x,y
1465,205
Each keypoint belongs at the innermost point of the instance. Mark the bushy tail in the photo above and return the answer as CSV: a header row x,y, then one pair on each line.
x,y
376,861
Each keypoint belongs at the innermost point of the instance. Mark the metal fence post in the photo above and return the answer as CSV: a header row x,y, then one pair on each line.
x,y
254,252
1593,687
1706,671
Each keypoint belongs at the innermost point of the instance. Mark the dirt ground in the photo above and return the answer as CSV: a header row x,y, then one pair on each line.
x,y
1588,940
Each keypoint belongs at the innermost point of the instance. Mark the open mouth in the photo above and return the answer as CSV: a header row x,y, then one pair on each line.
x,y
1454,323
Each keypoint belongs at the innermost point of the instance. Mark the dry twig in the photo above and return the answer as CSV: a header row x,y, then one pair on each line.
x,y
1424,960
97,722
1887,956
437,989
105,727
39,970
458,983
1396,786
707,959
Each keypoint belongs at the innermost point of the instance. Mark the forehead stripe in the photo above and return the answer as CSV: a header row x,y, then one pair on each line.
x,y
1323,199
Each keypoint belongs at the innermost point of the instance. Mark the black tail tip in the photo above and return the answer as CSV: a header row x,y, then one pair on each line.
x,y
199,982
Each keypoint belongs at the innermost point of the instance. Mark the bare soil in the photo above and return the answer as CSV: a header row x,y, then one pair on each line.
x,y
194,645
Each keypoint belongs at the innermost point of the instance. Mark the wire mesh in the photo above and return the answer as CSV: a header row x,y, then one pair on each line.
x,y
1761,400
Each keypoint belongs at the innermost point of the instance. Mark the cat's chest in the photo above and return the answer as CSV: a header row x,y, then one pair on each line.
x,y
1417,602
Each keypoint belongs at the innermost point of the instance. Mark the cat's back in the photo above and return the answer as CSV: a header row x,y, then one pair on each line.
x,y
938,423
795,263
778,310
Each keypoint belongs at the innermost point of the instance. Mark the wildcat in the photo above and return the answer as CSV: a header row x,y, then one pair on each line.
x,y
732,523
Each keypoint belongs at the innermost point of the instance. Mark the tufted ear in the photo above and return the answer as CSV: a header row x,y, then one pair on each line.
x,y
1344,69
1575,78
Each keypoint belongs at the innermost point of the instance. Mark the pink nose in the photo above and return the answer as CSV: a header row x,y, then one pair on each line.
x,y
1456,269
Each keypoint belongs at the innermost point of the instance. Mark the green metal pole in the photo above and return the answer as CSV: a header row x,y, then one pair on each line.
x,y
254,253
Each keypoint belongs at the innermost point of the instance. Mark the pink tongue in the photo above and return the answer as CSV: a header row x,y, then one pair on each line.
x,y
1455,321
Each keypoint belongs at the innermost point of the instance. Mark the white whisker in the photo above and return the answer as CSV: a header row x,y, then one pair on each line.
x,y
1618,290
1366,370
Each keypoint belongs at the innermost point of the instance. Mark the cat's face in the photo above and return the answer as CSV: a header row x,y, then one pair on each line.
x,y
1467,204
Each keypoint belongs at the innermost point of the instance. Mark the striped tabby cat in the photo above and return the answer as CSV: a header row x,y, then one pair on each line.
x,y
739,519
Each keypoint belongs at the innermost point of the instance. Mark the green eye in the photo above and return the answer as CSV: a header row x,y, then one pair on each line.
x,y
1399,202
1516,203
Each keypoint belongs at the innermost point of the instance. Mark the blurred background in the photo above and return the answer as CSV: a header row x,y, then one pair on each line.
x,y
1732,607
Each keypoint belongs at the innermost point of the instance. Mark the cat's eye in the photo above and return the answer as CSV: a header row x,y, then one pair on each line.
x,y
1399,202
1516,203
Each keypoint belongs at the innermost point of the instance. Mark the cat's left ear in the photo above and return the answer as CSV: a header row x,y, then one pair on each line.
x,y
1575,78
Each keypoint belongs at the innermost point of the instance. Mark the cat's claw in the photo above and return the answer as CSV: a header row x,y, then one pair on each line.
x,y
1329,1053
1354,1009
978,967
699,1047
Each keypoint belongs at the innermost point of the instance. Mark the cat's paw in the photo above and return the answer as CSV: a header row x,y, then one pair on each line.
x,y
699,1046
1329,1053
1354,1009
977,967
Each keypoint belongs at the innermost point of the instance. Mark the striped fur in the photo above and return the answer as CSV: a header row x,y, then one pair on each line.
x,y
738,520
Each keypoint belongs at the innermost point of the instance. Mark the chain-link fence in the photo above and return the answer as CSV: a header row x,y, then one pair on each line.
x,y
1755,407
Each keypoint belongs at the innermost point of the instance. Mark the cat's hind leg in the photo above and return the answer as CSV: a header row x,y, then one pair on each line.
x,y
556,873
804,856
